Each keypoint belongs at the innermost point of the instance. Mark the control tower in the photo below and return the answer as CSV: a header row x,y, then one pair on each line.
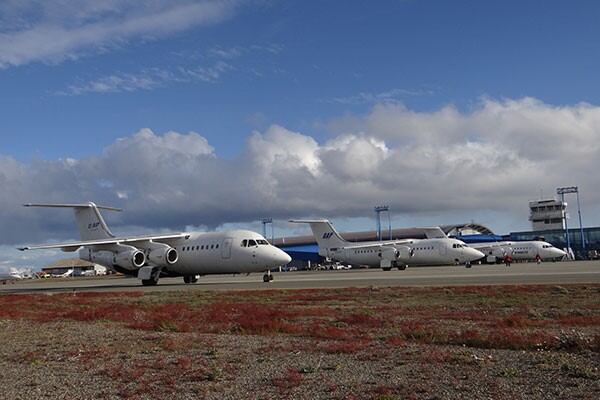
x,y
547,214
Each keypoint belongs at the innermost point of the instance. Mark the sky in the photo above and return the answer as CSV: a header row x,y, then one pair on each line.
x,y
202,115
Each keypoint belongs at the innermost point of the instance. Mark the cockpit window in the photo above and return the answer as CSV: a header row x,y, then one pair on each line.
x,y
251,243
262,241
244,243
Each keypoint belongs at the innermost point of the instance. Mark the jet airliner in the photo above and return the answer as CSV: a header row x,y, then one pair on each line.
x,y
182,254
438,249
526,250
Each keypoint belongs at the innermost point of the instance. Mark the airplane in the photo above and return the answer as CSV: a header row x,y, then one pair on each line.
x,y
527,250
437,249
67,274
10,276
184,255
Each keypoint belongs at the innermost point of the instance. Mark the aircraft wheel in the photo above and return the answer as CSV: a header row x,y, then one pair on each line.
x,y
401,267
468,265
387,269
266,278
194,279
149,282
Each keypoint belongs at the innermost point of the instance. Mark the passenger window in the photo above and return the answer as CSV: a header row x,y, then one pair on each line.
x,y
216,246
211,246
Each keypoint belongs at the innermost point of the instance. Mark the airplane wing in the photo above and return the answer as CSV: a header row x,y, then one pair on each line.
x,y
378,244
489,245
72,246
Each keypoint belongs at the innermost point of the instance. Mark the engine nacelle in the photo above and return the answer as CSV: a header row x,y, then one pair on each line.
x,y
501,252
128,258
160,254
389,254
404,253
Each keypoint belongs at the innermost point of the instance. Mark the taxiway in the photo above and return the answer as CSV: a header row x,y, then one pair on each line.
x,y
518,274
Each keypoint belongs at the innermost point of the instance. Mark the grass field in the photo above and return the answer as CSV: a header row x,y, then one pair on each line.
x,y
377,343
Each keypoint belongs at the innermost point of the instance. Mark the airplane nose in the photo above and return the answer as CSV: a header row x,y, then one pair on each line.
x,y
284,258
280,257
555,253
474,254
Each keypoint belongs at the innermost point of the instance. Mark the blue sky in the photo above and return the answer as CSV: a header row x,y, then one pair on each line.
x,y
289,61
477,92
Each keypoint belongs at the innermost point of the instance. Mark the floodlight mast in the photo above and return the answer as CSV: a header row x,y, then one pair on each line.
x,y
378,211
266,221
572,189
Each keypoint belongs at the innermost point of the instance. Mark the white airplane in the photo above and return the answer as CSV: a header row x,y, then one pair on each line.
x,y
527,250
10,276
66,274
438,249
182,254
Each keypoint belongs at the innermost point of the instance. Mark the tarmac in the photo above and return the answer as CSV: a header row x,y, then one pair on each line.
x,y
551,273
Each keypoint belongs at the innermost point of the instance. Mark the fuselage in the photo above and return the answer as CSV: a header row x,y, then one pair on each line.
x,y
229,252
528,250
424,252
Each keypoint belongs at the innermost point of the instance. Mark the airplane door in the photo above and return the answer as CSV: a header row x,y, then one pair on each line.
x,y
226,249
442,249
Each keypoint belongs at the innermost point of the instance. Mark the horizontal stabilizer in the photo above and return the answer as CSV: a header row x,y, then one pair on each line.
x,y
307,221
86,205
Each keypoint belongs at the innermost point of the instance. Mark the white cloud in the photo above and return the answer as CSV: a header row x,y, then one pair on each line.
x,y
33,31
153,78
444,165
390,96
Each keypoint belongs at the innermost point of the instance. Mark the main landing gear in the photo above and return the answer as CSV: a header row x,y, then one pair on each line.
x,y
267,277
190,278
149,275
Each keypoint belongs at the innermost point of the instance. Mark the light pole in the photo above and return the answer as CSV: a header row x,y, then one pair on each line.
x,y
266,221
378,211
572,189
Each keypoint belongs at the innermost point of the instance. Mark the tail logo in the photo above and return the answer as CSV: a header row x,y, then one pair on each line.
x,y
94,225
327,235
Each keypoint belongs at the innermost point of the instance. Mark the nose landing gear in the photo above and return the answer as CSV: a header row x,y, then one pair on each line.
x,y
267,277
190,278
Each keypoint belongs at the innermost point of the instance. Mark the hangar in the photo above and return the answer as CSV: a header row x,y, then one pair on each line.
x,y
304,249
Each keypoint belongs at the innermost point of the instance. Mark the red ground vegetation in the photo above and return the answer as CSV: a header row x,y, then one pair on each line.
x,y
498,317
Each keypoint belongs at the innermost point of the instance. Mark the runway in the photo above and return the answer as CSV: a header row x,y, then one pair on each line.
x,y
518,274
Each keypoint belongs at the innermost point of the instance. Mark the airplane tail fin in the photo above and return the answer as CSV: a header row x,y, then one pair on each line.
x,y
88,218
324,233
435,233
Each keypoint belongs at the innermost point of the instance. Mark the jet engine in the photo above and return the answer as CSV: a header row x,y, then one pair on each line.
x,y
127,257
130,259
389,254
160,254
